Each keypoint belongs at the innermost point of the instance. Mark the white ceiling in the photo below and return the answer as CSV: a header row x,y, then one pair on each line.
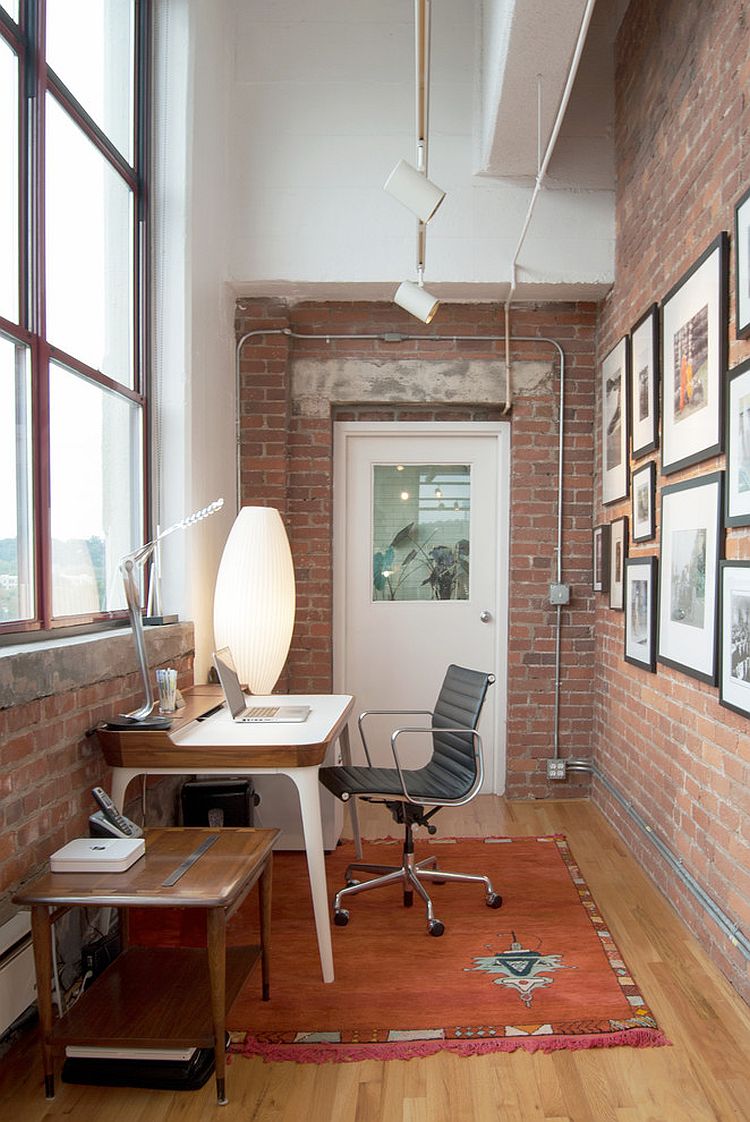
x,y
322,107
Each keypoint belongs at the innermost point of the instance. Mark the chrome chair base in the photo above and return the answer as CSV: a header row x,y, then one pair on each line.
x,y
411,873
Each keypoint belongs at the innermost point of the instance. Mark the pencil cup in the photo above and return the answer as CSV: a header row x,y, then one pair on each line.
x,y
166,680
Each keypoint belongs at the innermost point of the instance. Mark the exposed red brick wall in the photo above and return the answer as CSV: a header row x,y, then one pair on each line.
x,y
307,499
682,160
48,765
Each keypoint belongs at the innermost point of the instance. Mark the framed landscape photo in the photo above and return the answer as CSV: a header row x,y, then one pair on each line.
x,y
614,423
640,617
643,495
644,383
691,540
694,340
618,551
738,446
734,673
742,266
600,563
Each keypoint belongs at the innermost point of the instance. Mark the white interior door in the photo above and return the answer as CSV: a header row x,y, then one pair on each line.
x,y
420,572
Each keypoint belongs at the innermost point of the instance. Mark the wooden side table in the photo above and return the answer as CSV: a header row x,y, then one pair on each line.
x,y
153,996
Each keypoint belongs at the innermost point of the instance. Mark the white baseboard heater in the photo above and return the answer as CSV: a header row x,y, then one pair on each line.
x,y
17,977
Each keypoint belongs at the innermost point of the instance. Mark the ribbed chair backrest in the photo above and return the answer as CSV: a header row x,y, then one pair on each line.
x,y
459,705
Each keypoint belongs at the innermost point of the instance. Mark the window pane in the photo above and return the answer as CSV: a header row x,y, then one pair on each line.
x,y
90,48
89,251
8,183
420,531
96,484
16,556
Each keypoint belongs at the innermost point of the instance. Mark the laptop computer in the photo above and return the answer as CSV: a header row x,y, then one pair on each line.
x,y
238,704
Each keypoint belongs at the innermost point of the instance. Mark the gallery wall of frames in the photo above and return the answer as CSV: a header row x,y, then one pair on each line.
x,y
669,403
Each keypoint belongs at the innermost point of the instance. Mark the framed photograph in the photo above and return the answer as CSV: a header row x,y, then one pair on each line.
x,y
640,617
644,383
691,540
694,340
742,266
618,551
600,563
614,422
643,497
734,598
738,446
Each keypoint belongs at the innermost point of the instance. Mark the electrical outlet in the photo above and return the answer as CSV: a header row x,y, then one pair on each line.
x,y
556,769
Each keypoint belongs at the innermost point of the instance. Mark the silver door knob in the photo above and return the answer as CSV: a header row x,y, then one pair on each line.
x,y
485,616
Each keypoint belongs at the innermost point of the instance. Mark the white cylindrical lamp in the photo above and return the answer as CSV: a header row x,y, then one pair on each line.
x,y
254,599
416,300
414,190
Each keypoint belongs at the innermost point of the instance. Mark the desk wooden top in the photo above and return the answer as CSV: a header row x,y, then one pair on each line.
x,y
200,739
216,879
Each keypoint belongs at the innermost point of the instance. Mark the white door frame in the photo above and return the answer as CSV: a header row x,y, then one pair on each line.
x,y
344,431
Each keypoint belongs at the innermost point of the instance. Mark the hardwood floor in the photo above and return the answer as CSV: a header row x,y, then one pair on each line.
x,y
703,1077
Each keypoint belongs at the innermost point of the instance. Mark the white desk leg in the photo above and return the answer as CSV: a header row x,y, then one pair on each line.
x,y
346,758
121,777
308,789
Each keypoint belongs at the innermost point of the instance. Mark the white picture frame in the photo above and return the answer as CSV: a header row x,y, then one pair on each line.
x,y
644,384
614,423
691,544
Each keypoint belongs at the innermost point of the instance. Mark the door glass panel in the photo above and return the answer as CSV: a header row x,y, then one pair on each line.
x,y
16,551
420,531
95,472
90,48
89,251
8,183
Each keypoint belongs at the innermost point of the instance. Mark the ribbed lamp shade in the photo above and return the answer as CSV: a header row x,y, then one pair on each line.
x,y
254,600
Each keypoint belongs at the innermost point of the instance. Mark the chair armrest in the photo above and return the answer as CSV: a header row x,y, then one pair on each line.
x,y
478,759
385,713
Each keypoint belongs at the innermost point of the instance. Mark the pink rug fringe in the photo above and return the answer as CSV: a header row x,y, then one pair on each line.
x,y
414,1049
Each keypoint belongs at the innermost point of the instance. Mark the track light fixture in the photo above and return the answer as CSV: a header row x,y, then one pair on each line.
x,y
414,190
416,300
410,185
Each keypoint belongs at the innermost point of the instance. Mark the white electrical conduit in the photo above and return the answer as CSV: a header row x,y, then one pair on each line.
x,y
398,337
541,174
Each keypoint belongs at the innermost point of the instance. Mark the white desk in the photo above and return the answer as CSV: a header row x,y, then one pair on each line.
x,y
217,745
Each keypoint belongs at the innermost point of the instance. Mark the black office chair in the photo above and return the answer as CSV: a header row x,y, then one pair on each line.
x,y
452,777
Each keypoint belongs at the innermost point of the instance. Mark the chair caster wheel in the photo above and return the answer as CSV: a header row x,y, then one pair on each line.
x,y
341,917
494,900
351,883
436,928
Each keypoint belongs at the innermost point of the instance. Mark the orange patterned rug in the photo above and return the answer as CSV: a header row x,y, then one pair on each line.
x,y
540,973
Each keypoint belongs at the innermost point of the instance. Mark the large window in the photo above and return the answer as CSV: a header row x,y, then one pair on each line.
x,y
73,245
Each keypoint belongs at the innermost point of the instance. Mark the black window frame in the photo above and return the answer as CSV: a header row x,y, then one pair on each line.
x,y
36,81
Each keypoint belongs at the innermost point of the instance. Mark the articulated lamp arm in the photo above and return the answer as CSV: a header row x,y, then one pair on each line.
x,y
127,567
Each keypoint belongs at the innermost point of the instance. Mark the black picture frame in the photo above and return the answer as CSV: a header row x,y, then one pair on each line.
x,y
691,545
615,375
644,383
737,491
600,558
694,344
640,612
643,503
618,552
734,630
742,266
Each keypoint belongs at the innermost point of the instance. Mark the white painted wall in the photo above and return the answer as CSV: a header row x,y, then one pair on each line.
x,y
323,107
194,345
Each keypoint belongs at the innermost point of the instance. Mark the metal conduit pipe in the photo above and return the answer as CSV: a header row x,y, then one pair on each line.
x,y
398,337
724,922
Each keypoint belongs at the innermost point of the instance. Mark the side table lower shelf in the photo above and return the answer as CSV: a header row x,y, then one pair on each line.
x,y
150,997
